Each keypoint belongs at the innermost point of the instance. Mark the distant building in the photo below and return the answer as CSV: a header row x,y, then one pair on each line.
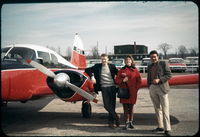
x,y
137,51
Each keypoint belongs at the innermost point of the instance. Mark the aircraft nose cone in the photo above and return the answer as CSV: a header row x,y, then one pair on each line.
x,y
60,79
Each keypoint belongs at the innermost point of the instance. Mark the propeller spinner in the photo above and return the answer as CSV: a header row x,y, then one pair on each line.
x,y
61,80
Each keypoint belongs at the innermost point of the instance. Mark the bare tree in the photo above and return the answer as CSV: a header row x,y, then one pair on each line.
x,y
193,51
182,50
69,52
51,47
164,47
95,52
58,49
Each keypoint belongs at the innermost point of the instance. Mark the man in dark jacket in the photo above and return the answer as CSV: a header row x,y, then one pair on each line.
x,y
102,75
157,79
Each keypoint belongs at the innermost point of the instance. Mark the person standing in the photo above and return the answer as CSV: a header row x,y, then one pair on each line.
x,y
129,77
102,75
158,74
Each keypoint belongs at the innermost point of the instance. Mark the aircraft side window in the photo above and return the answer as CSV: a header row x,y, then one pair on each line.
x,y
46,58
54,61
83,52
26,53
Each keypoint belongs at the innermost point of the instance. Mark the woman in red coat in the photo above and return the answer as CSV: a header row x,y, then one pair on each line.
x,y
129,77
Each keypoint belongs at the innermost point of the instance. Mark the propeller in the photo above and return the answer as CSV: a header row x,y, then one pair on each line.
x,y
61,80
41,68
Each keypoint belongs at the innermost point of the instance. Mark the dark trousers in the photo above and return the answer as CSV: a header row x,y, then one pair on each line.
x,y
109,101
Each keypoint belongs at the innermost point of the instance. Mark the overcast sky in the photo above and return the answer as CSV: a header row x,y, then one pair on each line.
x,y
109,23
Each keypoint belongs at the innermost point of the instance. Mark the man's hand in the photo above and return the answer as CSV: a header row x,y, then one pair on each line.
x,y
93,80
156,81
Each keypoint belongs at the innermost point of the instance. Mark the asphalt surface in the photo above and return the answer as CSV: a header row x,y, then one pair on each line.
x,y
51,116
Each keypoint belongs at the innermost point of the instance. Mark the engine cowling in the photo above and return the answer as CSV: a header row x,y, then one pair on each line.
x,y
75,77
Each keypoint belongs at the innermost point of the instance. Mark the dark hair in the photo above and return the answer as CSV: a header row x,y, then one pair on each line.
x,y
153,52
104,55
133,62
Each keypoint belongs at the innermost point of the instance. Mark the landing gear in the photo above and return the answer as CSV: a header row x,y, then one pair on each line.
x,y
86,109
23,101
4,103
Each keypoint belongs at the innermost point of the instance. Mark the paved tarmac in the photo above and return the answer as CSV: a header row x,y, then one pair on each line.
x,y
53,117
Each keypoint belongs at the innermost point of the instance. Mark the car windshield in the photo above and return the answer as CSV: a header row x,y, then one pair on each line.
x,y
145,61
175,61
192,59
117,61
18,54
94,61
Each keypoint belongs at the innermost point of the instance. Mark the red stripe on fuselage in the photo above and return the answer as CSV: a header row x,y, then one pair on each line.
x,y
23,84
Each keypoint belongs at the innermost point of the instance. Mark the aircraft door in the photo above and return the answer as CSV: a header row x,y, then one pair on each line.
x,y
45,58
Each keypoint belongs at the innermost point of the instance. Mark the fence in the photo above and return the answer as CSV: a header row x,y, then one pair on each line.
x,y
191,69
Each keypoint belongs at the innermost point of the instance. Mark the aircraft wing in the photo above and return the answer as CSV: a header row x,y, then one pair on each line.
x,y
178,80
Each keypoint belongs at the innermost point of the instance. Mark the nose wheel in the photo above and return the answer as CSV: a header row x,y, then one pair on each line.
x,y
86,109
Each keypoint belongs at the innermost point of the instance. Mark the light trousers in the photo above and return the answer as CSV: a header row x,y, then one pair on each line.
x,y
161,105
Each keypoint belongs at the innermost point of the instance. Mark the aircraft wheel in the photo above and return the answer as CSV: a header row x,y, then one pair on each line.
x,y
4,103
24,101
86,109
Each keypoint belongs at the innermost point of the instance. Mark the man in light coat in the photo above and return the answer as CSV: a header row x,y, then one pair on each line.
x,y
158,74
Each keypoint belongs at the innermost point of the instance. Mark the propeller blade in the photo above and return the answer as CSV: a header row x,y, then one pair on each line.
x,y
81,92
41,68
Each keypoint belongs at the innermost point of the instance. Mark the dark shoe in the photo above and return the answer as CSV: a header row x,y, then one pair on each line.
x,y
117,123
131,125
167,133
111,125
126,126
158,129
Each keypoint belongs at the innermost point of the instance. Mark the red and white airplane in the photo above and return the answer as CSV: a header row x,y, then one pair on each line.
x,y
22,80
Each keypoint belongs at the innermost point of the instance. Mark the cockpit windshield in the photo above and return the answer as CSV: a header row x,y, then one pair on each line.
x,y
17,54
4,51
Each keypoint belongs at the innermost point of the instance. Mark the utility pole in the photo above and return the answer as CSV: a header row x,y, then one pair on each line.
x,y
97,48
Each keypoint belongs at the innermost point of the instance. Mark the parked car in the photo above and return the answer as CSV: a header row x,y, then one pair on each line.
x,y
192,61
92,62
144,64
177,65
119,63
192,64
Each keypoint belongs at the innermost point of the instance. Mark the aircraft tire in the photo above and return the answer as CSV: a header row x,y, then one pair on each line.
x,y
24,101
86,109
4,103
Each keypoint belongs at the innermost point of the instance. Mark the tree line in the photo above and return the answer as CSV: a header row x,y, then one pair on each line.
x,y
181,52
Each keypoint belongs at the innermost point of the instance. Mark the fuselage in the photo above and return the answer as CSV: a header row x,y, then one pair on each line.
x,y
20,81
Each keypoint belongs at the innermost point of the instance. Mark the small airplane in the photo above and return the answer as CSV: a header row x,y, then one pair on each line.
x,y
22,80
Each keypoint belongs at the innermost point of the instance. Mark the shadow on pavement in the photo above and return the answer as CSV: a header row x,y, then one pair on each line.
x,y
18,120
